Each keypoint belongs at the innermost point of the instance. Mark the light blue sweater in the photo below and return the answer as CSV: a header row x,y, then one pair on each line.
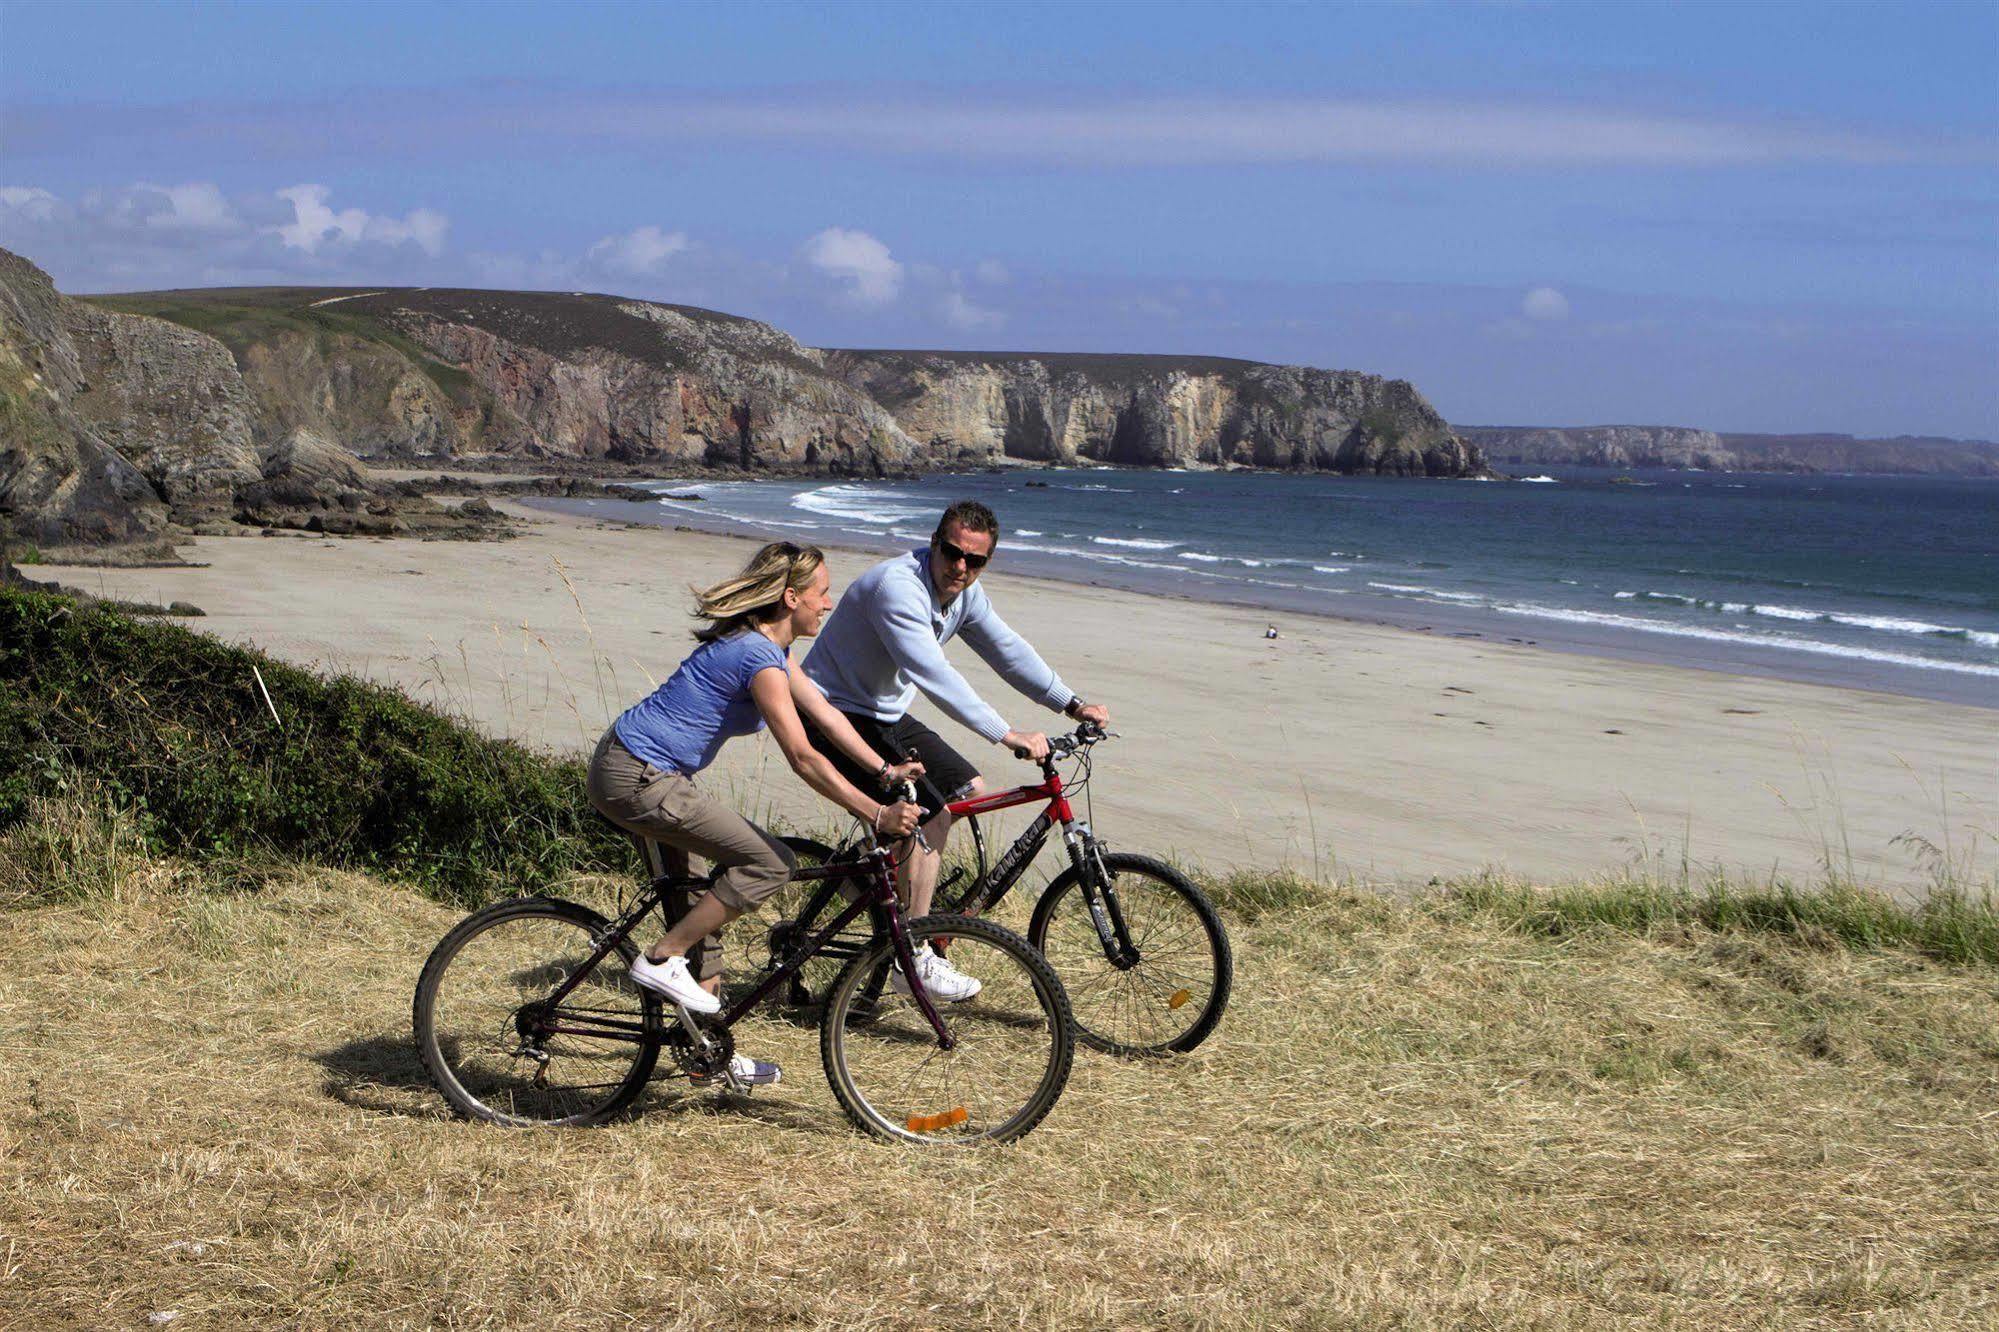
x,y
885,640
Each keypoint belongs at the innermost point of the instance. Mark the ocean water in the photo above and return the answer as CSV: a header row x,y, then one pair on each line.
x,y
1877,582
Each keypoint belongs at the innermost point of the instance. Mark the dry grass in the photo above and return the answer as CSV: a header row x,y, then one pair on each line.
x,y
1411,1118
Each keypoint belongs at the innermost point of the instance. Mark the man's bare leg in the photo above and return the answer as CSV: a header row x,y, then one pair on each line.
x,y
917,875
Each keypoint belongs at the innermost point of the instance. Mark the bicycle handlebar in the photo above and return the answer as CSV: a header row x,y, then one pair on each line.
x,y
1064,746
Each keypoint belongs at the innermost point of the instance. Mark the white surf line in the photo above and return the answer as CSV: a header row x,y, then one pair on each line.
x,y
350,296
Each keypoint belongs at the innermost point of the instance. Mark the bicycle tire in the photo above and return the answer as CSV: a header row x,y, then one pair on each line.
x,y
1120,1011
1015,1044
464,1048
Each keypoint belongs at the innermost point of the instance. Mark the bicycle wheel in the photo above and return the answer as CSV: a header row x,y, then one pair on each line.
x,y
801,910
480,1017
1165,1000
1012,1042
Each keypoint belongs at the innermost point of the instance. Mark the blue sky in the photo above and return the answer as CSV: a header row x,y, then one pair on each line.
x,y
1771,217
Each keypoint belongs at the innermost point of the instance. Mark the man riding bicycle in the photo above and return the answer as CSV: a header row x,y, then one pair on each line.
x,y
885,641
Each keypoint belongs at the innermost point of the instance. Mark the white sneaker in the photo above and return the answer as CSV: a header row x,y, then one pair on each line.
x,y
941,980
672,979
750,1072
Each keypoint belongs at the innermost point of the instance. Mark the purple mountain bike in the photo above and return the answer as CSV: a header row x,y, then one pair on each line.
x,y
525,1014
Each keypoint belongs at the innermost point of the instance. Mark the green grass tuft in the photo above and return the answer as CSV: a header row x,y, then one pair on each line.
x,y
66,852
1254,894
1950,925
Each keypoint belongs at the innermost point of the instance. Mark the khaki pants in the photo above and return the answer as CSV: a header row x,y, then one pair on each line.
x,y
669,813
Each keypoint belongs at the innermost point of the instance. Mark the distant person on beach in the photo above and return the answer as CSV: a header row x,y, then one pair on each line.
x,y
885,642
738,680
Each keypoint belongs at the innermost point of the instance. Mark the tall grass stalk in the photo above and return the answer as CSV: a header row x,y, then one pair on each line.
x,y
68,850
599,662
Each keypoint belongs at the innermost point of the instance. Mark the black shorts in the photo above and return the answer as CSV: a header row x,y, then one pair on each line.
x,y
947,774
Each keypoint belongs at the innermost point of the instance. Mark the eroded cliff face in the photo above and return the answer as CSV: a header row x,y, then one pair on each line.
x,y
1159,411
666,387
253,403
365,393
116,427
442,372
170,402
61,480
1605,446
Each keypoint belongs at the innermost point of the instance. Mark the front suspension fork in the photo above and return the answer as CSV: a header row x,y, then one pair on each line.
x,y
1106,913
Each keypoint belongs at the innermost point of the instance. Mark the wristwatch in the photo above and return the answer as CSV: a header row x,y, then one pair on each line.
x,y
1074,706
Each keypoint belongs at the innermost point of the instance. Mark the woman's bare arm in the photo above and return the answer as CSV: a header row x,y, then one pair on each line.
x,y
833,724
771,690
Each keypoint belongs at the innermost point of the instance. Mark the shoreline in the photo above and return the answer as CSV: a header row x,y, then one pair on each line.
x,y
1688,652
1343,749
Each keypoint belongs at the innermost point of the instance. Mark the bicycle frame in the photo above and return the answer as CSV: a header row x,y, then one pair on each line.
x,y
990,886
992,882
880,903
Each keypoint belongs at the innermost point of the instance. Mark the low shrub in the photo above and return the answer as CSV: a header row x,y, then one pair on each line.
x,y
173,729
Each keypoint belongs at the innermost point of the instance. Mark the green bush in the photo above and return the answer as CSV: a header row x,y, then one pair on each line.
x,y
171,727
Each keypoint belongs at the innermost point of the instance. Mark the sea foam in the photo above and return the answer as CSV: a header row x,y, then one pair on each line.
x,y
866,504
1790,644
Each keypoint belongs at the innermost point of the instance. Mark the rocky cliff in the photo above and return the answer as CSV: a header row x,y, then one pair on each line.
x,y
436,372
1683,446
66,407
1905,455
116,427
126,415
1158,411
1603,446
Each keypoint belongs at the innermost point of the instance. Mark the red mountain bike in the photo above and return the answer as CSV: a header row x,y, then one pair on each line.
x,y
1141,951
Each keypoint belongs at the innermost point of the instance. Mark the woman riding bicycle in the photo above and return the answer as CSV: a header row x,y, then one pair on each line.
x,y
740,679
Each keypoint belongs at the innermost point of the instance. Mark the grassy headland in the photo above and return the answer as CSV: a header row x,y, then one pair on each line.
x,y
1495,1105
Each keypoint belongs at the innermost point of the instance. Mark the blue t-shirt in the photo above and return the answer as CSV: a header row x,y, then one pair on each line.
x,y
681,724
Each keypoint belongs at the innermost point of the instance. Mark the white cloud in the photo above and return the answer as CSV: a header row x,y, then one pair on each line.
x,y
29,203
858,259
640,251
961,313
1545,304
991,272
314,223
194,207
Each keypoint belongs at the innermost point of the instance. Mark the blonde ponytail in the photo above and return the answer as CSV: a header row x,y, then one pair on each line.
x,y
757,593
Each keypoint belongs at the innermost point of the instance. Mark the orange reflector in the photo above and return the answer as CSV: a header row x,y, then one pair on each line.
x,y
1179,997
951,1118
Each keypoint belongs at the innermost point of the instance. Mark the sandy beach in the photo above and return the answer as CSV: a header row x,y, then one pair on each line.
x,y
1339,749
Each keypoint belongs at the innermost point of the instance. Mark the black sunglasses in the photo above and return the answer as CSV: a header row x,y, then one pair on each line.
x,y
953,552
